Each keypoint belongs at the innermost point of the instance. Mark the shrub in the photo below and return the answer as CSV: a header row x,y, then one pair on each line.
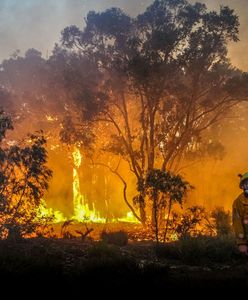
x,y
118,238
201,250
24,178
222,221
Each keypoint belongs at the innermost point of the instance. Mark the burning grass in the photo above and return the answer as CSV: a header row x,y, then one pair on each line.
x,y
98,231
192,222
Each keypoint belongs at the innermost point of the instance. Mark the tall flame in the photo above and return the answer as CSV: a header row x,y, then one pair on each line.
x,y
81,209
82,212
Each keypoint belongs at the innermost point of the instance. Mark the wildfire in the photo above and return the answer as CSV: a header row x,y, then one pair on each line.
x,y
130,218
82,212
55,215
81,209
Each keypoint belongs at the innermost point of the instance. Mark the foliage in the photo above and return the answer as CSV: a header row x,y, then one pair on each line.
x,y
24,178
169,185
222,221
194,221
155,87
5,124
44,229
201,250
165,81
163,189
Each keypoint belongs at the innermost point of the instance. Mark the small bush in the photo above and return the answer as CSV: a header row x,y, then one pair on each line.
x,y
118,238
207,250
222,221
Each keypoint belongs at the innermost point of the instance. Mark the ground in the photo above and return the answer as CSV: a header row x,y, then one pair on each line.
x,y
201,262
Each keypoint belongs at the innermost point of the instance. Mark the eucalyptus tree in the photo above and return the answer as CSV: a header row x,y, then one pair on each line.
x,y
165,80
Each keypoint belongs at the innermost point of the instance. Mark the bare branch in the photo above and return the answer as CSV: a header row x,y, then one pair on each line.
x,y
124,188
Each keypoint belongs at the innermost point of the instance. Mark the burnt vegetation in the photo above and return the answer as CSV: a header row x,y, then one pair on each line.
x,y
141,98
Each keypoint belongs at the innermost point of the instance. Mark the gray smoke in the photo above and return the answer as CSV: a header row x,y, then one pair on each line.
x,y
37,23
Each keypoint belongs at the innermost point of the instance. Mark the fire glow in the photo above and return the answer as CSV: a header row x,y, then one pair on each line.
x,y
81,210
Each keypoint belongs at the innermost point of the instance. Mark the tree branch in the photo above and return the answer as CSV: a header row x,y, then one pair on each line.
x,y
124,188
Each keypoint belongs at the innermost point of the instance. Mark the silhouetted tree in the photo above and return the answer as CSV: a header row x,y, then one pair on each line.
x,y
166,79
163,189
24,178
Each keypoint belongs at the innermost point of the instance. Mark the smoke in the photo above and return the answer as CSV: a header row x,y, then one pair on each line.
x,y
38,23
216,181
237,51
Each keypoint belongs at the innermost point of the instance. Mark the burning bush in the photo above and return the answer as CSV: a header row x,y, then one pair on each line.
x,y
24,178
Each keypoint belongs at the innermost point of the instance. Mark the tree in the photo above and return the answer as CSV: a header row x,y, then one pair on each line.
x,y
167,78
31,90
24,178
39,93
163,189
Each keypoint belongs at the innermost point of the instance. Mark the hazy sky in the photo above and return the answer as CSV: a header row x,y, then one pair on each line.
x,y
37,23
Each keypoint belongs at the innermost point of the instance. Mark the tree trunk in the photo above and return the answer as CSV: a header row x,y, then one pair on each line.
x,y
14,233
143,215
155,217
167,221
142,210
